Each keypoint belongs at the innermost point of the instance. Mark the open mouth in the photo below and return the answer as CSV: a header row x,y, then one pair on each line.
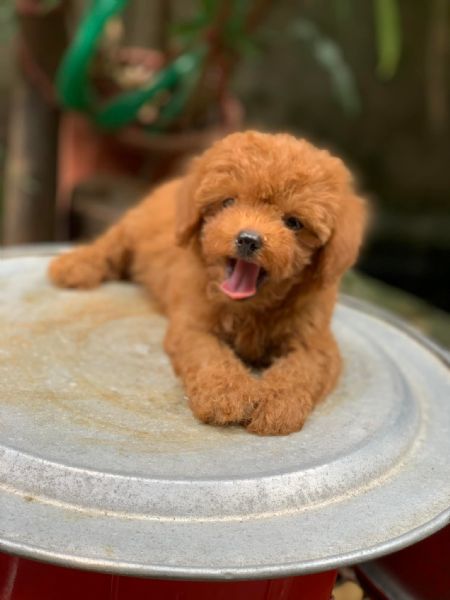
x,y
243,279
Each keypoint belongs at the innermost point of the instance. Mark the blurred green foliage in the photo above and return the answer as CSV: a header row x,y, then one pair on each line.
x,y
228,20
329,56
326,51
388,37
6,20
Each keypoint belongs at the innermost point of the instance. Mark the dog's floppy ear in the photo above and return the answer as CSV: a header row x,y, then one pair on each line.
x,y
342,249
188,215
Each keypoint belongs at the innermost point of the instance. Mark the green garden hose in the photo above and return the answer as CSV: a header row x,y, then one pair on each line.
x,y
76,90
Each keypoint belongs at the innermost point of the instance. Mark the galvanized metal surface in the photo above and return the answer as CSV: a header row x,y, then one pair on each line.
x,y
102,465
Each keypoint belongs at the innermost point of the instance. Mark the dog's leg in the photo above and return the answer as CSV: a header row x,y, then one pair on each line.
x,y
87,266
293,385
113,255
219,387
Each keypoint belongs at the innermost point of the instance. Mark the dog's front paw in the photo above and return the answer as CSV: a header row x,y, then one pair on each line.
x,y
80,268
221,399
279,413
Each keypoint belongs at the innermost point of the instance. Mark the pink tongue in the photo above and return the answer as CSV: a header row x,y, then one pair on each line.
x,y
242,282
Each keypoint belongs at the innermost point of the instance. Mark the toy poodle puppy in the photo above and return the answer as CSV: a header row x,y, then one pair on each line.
x,y
244,255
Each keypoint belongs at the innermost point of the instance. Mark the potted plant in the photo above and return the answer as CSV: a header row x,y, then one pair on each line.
x,y
140,111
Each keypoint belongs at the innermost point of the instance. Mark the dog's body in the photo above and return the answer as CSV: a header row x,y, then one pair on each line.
x,y
244,255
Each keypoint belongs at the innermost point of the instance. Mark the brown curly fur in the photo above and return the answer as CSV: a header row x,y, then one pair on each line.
x,y
267,360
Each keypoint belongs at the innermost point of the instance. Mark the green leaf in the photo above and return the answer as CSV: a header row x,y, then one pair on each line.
x,y
388,37
329,55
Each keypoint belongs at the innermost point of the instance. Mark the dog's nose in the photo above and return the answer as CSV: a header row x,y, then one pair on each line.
x,y
248,242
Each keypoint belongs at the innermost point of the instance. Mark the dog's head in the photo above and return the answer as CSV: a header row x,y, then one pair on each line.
x,y
269,211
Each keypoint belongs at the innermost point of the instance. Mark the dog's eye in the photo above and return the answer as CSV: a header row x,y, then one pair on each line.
x,y
292,223
227,202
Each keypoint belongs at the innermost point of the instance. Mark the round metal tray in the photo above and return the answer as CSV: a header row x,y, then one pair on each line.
x,y
103,466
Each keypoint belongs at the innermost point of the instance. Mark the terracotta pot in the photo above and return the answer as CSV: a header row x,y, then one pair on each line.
x,y
84,151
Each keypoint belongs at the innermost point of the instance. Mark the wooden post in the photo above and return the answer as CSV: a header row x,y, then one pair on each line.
x,y
31,167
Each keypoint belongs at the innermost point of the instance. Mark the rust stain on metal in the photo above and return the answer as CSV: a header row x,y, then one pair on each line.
x,y
96,357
